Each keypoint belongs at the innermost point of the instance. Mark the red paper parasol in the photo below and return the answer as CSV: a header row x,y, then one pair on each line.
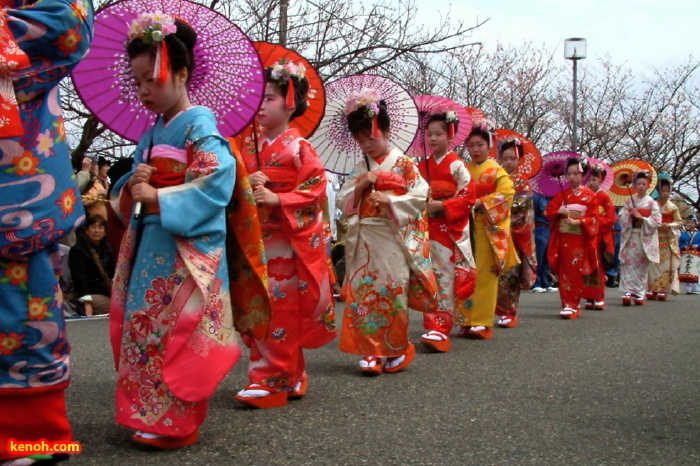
x,y
333,141
609,176
429,105
530,164
228,76
552,177
623,176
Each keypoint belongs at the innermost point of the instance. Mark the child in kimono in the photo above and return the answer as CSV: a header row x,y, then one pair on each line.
x,y
689,242
493,244
449,208
171,319
289,185
594,283
640,219
42,41
387,250
663,277
572,253
522,226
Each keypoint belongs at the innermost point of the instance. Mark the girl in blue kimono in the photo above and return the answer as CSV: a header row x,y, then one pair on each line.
x,y
171,319
41,42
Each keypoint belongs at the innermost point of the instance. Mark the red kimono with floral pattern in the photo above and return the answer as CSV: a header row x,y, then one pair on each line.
x,y
594,284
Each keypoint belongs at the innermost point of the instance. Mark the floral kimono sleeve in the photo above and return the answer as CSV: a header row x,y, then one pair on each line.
x,y
497,204
407,207
589,221
55,35
197,207
459,208
303,205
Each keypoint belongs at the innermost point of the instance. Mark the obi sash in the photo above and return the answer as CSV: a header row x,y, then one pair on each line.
x,y
484,189
441,190
171,164
646,213
386,181
667,218
575,211
282,179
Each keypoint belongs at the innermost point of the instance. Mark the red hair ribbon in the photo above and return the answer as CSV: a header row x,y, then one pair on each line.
x,y
375,128
451,130
162,66
290,93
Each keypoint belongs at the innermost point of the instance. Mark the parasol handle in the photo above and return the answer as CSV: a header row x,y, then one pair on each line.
x,y
138,207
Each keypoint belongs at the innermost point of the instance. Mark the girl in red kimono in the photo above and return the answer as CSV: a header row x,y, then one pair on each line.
x,y
594,284
450,202
573,217
289,184
522,228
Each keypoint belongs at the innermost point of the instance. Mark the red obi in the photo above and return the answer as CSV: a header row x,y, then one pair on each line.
x,y
667,218
484,189
646,213
441,190
390,181
282,179
169,173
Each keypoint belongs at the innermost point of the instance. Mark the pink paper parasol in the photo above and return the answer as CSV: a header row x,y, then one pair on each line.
x,y
609,175
428,105
333,141
552,177
228,75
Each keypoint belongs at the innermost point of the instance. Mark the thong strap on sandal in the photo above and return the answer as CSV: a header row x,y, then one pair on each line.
x,y
400,363
507,322
436,341
300,388
260,396
569,313
371,365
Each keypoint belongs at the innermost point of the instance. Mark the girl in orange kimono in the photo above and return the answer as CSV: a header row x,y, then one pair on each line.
x,y
449,208
522,228
289,184
573,217
387,250
493,244
594,284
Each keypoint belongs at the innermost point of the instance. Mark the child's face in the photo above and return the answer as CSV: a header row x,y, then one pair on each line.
x,y
437,136
274,112
593,183
156,96
642,184
664,193
478,148
509,160
690,224
372,147
574,176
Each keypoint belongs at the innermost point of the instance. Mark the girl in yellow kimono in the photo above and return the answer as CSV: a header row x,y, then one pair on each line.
x,y
663,277
387,250
493,245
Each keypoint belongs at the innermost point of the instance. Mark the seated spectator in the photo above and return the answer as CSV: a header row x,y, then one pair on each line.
x,y
92,266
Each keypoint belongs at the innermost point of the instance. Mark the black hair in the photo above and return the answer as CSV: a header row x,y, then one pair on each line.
x,y
576,161
102,161
95,218
642,175
359,122
599,172
664,182
180,48
442,117
478,132
301,89
517,147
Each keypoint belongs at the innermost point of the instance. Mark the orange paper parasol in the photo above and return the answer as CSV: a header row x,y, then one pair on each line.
x,y
531,163
623,176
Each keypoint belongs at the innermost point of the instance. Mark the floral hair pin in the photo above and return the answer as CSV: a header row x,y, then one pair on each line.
x,y
152,28
517,141
451,119
366,99
283,71
487,126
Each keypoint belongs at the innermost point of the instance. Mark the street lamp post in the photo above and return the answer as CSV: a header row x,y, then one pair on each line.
x,y
575,50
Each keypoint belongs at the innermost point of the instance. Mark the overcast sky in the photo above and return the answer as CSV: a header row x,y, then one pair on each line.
x,y
642,33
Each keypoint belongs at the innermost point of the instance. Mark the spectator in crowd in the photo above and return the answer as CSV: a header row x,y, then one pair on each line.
x,y
543,282
92,265
689,244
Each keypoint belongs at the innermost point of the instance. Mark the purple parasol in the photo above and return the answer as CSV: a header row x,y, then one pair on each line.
x,y
551,179
228,75
431,104
333,141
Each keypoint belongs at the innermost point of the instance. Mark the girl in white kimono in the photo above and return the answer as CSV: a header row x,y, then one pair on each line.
x,y
640,219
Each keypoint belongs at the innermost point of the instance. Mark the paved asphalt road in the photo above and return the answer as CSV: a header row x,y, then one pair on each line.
x,y
615,387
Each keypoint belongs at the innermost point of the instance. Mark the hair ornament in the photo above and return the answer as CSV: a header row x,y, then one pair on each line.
x,y
367,100
283,71
152,28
